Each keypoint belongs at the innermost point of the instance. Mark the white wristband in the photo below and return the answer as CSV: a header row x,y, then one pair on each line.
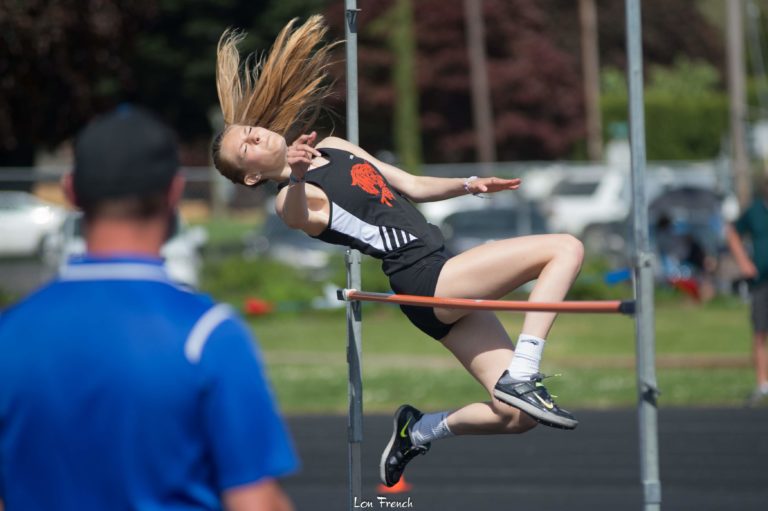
x,y
466,184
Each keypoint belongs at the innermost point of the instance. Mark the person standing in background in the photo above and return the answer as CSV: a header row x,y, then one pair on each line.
x,y
753,225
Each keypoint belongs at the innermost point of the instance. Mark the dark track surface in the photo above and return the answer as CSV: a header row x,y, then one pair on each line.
x,y
710,460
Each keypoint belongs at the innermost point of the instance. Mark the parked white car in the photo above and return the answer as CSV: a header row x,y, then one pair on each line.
x,y
599,194
589,197
181,252
25,223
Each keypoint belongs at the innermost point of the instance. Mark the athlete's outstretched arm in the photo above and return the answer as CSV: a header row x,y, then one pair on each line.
x,y
425,188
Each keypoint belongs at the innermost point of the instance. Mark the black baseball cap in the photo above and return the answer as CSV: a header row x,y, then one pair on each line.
x,y
125,153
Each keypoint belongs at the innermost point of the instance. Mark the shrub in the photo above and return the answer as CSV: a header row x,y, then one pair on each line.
x,y
233,279
591,284
676,128
685,112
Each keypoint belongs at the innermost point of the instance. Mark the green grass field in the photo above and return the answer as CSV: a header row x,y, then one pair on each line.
x,y
702,358
702,351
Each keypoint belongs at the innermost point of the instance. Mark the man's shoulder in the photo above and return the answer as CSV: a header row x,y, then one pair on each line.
x,y
757,212
28,302
62,296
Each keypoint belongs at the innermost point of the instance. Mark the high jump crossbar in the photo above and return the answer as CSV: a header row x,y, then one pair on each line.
x,y
594,306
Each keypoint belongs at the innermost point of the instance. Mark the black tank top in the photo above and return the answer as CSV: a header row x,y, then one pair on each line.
x,y
367,214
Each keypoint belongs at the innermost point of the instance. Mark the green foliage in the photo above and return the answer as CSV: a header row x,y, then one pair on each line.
x,y
691,128
613,82
685,114
676,128
686,78
590,284
234,279
371,276
227,232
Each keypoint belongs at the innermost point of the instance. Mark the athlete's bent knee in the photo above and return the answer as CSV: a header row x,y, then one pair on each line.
x,y
573,248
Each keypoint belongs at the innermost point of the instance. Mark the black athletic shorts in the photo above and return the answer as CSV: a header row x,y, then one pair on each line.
x,y
759,298
420,279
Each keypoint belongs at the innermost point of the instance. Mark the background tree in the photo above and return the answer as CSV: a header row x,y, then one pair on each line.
x,y
176,56
671,28
396,28
685,109
403,43
61,60
534,84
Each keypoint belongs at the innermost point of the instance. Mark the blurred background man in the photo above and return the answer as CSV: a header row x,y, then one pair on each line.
x,y
752,225
118,388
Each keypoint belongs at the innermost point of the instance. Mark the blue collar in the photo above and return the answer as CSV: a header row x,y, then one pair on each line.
x,y
116,267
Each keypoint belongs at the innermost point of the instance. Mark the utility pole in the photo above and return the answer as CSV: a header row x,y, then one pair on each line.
x,y
737,101
481,93
590,68
407,132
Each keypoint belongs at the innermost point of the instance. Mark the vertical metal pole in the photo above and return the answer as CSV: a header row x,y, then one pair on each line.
x,y
354,350
644,317
350,33
354,317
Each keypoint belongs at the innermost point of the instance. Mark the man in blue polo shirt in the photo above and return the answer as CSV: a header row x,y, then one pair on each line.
x,y
118,388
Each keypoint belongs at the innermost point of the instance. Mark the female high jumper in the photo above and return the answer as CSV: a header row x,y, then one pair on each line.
x,y
337,192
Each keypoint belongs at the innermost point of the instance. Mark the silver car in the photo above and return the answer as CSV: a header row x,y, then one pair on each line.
x,y
26,223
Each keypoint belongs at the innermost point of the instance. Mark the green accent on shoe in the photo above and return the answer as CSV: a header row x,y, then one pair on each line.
x,y
402,431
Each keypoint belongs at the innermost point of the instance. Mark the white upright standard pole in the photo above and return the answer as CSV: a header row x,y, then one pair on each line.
x,y
643,274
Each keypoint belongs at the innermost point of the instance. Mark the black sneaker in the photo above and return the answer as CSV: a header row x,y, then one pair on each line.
x,y
400,450
532,397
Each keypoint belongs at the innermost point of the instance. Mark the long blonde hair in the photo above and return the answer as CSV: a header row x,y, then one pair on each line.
x,y
283,92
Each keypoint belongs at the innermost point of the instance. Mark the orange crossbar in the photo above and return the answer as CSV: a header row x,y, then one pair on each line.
x,y
596,306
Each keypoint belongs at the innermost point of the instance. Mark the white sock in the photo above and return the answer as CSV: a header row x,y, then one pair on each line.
x,y
431,426
527,357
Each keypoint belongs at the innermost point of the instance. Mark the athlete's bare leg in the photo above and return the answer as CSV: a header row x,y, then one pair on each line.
x,y
492,270
478,339
480,343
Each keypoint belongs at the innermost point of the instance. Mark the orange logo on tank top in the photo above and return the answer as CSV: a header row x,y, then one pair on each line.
x,y
371,182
